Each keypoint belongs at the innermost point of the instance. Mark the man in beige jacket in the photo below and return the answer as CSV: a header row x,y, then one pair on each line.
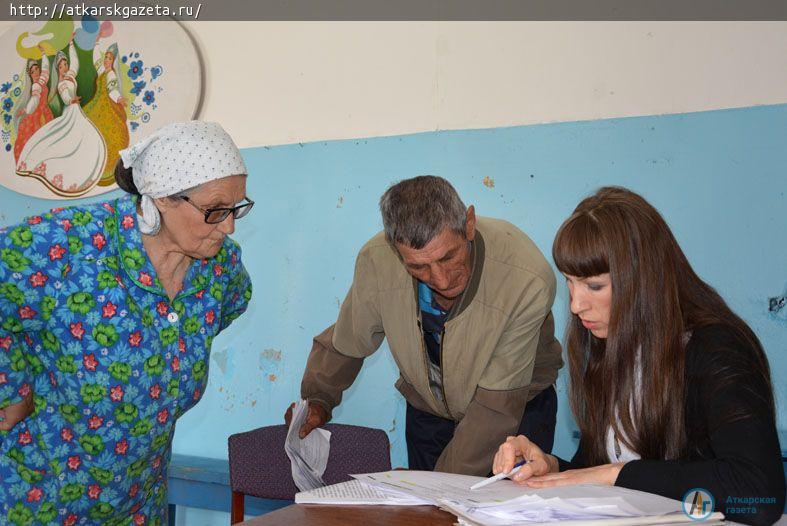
x,y
465,303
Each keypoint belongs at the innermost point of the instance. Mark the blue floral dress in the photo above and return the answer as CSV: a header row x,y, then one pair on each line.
x,y
87,327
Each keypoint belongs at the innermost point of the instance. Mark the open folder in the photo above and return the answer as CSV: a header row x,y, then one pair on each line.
x,y
503,503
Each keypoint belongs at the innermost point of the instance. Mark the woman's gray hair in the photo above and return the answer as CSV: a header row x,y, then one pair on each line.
x,y
416,210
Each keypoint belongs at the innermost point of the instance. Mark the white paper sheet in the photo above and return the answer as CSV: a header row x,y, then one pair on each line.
x,y
435,486
716,519
356,492
309,456
504,503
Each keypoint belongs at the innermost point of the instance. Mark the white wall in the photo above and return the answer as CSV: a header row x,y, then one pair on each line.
x,y
286,82
275,83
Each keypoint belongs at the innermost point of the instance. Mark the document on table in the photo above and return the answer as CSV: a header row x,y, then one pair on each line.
x,y
356,492
436,486
503,503
308,456
672,519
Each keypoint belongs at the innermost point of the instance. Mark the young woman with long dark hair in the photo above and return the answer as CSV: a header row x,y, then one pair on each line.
x,y
670,389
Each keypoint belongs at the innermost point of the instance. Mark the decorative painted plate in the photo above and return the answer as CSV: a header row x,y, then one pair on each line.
x,y
73,94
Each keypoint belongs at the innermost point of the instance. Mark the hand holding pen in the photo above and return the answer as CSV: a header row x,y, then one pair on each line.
x,y
500,476
514,452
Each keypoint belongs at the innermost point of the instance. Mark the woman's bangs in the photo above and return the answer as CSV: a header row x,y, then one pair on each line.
x,y
579,249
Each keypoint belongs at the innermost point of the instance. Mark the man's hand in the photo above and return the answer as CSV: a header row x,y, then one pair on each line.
x,y
317,417
15,413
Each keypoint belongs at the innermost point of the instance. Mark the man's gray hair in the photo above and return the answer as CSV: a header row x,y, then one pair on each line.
x,y
416,210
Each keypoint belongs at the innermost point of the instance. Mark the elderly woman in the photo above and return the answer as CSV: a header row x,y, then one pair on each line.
x,y
107,314
670,388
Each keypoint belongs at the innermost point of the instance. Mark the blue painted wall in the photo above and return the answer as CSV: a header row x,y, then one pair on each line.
x,y
717,177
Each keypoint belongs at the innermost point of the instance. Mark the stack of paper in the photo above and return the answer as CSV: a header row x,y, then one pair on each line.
x,y
504,503
308,456
357,492
581,504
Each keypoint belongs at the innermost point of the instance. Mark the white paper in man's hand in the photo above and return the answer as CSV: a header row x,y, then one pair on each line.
x,y
308,456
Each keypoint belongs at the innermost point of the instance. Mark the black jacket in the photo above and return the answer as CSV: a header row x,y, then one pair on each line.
x,y
738,461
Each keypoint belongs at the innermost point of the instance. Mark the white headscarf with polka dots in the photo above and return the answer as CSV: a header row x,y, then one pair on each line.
x,y
177,157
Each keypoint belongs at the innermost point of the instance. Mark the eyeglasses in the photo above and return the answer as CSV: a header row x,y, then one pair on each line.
x,y
217,215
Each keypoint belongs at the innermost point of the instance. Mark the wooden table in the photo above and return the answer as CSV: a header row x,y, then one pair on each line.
x,y
323,515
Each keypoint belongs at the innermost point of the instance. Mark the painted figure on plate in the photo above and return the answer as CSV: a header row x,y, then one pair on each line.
x,y
67,154
33,110
107,109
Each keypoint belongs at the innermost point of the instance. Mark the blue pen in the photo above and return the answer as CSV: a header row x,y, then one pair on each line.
x,y
499,476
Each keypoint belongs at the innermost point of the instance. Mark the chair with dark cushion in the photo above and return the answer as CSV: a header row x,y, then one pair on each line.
x,y
260,467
